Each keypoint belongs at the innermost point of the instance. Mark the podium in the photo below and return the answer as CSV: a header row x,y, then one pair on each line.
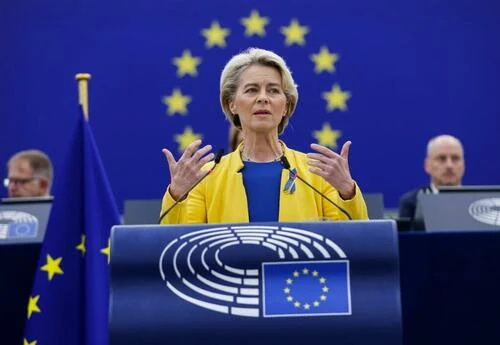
x,y
257,283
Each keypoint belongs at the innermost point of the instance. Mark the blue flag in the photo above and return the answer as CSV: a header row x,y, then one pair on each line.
x,y
69,301
306,288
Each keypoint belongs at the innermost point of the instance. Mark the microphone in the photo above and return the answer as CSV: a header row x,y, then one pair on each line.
x,y
286,165
217,159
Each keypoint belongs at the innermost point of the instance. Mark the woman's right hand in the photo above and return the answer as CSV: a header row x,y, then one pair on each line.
x,y
185,172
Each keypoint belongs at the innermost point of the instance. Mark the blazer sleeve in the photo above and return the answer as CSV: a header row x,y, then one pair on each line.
x,y
189,211
355,206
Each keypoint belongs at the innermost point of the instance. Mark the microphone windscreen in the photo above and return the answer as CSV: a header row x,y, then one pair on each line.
x,y
285,162
218,156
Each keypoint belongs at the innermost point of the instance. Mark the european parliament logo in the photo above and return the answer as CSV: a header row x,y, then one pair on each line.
x,y
15,224
274,271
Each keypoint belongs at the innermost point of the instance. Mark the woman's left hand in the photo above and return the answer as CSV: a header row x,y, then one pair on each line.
x,y
334,168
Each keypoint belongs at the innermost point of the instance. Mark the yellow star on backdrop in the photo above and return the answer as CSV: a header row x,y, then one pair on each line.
x,y
52,267
255,24
186,64
294,33
176,103
27,342
215,35
336,98
81,246
324,60
186,138
107,251
327,137
33,305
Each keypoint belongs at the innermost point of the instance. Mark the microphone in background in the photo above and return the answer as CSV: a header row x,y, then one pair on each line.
x,y
286,165
217,159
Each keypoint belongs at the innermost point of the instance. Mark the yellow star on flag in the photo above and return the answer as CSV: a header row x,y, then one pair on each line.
x,y
186,64
107,251
177,103
27,342
305,271
33,305
336,98
327,137
294,33
81,246
52,267
324,60
215,35
255,24
186,138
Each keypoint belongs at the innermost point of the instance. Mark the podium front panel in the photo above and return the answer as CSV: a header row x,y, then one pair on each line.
x,y
262,283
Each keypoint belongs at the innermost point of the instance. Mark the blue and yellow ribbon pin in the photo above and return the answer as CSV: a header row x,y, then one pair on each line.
x,y
290,184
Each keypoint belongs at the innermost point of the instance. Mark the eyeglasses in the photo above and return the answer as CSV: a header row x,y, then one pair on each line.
x,y
17,181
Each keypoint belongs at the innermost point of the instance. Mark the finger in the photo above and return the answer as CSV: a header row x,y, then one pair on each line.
x,y
202,152
205,159
170,159
317,172
190,149
324,150
322,158
345,150
317,164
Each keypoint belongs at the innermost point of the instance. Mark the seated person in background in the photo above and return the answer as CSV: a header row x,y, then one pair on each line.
x,y
253,184
235,138
29,174
444,164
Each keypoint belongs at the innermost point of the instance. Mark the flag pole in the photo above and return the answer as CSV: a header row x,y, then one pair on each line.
x,y
83,92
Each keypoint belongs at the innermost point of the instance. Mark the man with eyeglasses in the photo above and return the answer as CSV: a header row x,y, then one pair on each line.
x,y
29,174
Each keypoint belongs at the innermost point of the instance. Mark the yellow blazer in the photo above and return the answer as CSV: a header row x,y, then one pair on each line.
x,y
221,196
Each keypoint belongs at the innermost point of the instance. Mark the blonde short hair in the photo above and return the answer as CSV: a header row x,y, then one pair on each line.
x,y
230,75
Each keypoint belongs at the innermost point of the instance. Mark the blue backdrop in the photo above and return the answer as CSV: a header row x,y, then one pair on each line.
x,y
395,73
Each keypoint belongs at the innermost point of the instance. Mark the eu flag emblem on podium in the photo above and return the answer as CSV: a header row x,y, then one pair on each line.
x,y
306,288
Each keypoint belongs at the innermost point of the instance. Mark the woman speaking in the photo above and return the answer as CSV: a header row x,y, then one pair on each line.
x,y
262,180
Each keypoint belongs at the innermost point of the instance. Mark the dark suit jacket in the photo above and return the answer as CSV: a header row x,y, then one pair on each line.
x,y
408,202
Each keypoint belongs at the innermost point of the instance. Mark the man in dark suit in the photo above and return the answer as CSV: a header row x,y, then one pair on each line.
x,y
445,166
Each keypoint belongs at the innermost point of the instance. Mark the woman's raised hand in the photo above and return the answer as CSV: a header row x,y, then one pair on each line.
x,y
185,172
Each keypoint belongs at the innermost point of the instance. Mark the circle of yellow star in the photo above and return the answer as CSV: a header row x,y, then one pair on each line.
x,y
186,138
107,251
52,266
305,304
27,342
81,245
336,98
33,305
186,64
324,60
176,103
327,137
254,24
215,35
294,33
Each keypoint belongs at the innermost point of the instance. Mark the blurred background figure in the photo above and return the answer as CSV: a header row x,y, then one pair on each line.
x,y
445,166
29,174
